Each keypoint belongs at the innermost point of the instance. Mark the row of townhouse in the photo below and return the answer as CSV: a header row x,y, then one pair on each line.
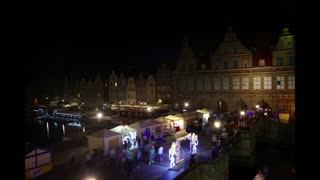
x,y
235,78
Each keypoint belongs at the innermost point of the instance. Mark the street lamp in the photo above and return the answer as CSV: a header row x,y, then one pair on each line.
x,y
217,124
99,115
186,104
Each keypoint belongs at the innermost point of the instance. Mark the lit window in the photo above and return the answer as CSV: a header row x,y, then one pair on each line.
x,y
291,82
235,83
280,82
267,83
245,83
256,83
261,62
225,82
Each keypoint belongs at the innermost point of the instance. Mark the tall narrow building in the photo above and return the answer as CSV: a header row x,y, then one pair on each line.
x,y
131,91
141,89
151,89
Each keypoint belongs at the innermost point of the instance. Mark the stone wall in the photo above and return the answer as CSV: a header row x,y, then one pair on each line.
x,y
217,170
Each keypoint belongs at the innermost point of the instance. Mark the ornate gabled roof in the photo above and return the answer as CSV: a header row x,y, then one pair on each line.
x,y
285,31
186,54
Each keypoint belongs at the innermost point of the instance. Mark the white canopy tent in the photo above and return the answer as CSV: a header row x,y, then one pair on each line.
x,y
149,125
204,114
126,131
105,140
188,117
171,122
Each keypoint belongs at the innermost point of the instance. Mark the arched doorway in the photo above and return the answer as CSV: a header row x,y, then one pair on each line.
x,y
222,106
240,105
203,103
263,104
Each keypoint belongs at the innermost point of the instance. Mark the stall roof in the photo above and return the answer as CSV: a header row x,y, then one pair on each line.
x,y
103,133
145,124
123,129
203,111
173,118
186,114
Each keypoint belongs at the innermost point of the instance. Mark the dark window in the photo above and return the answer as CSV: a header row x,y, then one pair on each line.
x,y
235,64
225,64
279,61
291,60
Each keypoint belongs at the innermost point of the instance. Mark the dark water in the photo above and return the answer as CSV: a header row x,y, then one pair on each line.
x,y
276,162
37,132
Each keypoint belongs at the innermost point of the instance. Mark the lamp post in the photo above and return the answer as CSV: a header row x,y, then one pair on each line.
x,y
186,105
99,116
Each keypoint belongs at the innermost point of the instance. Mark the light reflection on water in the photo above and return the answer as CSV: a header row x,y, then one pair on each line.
x,y
37,130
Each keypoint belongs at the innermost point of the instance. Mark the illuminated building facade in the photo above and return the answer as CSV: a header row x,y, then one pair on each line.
x,y
113,88
141,89
232,83
131,91
151,89
91,93
164,84
122,89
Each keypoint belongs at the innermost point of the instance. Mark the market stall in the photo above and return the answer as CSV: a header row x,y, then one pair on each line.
x,y
174,123
204,114
105,140
188,117
128,134
148,127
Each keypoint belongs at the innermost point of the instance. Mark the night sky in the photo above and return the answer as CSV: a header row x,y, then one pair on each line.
x,y
140,40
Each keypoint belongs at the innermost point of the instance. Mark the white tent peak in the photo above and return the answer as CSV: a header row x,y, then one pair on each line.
x,y
104,133
123,129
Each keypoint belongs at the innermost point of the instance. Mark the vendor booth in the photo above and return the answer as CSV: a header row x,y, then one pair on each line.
x,y
204,114
148,127
171,123
127,132
188,117
105,140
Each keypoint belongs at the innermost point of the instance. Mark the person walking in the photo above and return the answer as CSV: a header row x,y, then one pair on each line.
x,y
160,152
214,141
151,155
139,157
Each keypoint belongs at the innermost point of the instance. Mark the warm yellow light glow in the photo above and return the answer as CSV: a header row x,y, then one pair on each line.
x,y
186,104
217,124
242,113
99,115
257,106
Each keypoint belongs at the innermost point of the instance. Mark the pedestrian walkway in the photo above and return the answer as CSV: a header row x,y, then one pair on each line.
x,y
116,170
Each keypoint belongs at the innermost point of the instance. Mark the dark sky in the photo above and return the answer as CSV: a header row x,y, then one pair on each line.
x,y
82,45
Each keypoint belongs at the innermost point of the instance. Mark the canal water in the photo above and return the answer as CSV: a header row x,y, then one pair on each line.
x,y
47,131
